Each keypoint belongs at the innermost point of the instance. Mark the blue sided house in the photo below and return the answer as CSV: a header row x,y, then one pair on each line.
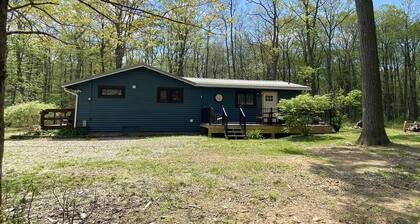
x,y
144,99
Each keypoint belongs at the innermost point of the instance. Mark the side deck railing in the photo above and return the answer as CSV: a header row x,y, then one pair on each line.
x,y
268,116
225,120
56,118
242,120
208,115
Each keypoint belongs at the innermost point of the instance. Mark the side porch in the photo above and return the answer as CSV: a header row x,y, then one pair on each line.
x,y
267,123
272,131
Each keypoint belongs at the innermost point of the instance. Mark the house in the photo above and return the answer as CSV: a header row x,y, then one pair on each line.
x,y
144,99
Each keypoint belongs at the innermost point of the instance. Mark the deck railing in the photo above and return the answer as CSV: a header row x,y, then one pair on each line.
x,y
208,115
268,115
242,120
56,118
225,120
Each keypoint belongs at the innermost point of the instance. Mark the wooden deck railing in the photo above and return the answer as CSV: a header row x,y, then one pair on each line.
x,y
56,118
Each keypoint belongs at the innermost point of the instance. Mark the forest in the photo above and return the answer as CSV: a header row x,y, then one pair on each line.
x,y
311,42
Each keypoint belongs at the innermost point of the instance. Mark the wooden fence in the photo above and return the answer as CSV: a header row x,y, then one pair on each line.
x,y
56,118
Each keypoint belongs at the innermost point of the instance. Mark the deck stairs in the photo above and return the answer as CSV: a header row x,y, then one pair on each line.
x,y
234,133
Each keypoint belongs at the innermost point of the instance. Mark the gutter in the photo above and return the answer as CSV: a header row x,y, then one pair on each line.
x,y
74,93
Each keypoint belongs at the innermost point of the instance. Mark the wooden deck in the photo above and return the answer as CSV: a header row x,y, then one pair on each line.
x,y
268,130
56,118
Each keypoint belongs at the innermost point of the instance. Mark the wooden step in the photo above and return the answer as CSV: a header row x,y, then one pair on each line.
x,y
235,136
234,133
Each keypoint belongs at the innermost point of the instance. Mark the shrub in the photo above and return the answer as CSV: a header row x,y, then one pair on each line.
x,y
25,115
298,112
60,133
254,134
339,102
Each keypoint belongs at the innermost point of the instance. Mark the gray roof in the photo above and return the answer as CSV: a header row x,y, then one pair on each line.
x,y
204,82
246,84
128,68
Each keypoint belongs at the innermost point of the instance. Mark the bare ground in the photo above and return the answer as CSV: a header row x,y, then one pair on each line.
x,y
193,179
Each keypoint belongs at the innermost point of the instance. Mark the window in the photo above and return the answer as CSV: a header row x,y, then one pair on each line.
x,y
269,98
111,91
246,98
170,95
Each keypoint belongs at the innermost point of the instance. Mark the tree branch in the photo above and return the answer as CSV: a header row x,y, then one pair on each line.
x,y
154,15
32,32
31,3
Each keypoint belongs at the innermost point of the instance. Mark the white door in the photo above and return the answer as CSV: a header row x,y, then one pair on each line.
x,y
269,99
269,104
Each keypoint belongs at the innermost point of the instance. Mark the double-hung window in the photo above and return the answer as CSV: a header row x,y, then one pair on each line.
x,y
170,95
246,98
111,91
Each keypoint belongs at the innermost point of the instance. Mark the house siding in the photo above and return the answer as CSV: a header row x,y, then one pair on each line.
x,y
139,111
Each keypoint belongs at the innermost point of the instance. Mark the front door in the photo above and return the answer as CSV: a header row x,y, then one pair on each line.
x,y
269,99
269,104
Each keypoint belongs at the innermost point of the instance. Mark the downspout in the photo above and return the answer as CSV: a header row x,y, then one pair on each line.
x,y
74,93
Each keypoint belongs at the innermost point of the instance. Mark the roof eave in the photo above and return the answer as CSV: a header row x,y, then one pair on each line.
x,y
128,69
303,88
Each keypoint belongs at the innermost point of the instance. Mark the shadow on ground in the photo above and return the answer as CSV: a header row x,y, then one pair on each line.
x,y
378,185
314,138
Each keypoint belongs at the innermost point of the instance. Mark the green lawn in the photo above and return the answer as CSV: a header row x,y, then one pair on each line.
x,y
13,131
320,178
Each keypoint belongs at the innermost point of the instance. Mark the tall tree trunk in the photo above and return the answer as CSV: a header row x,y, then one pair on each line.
x,y
119,55
102,50
19,87
227,49
206,63
387,96
329,65
79,63
181,50
3,75
232,44
412,99
373,132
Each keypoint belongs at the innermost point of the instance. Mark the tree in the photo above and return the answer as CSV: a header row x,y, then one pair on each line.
x,y
335,12
123,19
339,103
373,132
308,11
3,75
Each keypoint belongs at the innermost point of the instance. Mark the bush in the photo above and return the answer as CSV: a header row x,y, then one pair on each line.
x,y
338,104
60,133
25,115
254,134
298,112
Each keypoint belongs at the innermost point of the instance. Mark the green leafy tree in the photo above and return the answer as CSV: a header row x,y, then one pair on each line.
x,y
339,103
298,112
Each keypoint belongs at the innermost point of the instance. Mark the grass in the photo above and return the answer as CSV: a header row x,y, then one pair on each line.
x,y
175,172
14,131
134,160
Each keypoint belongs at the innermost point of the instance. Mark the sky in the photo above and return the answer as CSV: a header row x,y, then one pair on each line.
x,y
378,3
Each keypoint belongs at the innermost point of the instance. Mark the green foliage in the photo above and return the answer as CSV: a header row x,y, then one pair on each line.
x,y
25,115
60,133
298,112
254,134
339,103
305,73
